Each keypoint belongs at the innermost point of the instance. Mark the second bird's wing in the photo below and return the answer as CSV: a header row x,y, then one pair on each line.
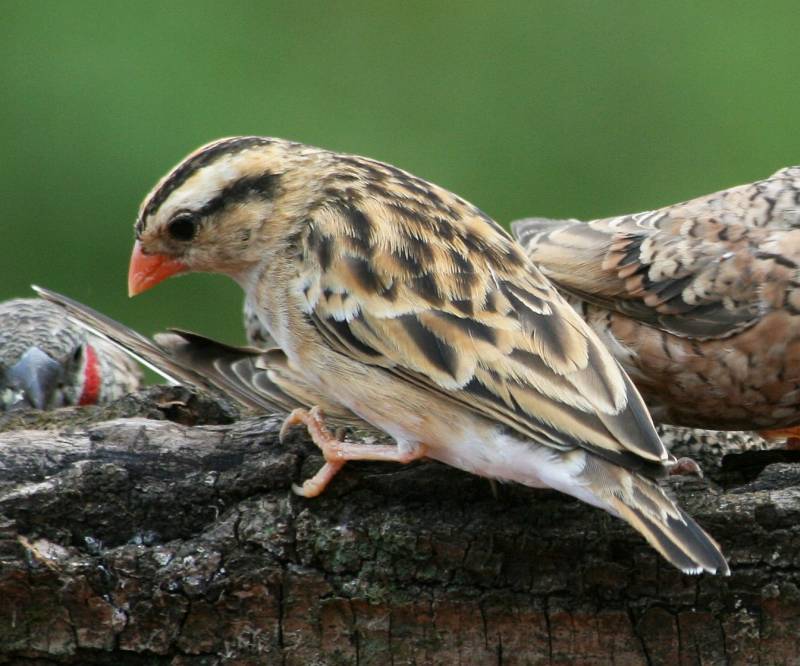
x,y
707,268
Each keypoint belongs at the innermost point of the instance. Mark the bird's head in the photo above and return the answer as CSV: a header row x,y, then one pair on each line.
x,y
220,207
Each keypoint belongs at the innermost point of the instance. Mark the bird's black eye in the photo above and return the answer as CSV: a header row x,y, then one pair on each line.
x,y
183,227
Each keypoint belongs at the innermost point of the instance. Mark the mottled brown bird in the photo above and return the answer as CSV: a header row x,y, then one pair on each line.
x,y
699,301
46,361
414,310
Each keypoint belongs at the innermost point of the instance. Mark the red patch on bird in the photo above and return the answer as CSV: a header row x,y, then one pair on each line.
x,y
91,378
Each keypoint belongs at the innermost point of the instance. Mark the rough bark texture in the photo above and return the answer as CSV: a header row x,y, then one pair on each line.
x,y
133,535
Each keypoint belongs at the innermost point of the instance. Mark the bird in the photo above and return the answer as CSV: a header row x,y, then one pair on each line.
x,y
698,301
47,361
413,309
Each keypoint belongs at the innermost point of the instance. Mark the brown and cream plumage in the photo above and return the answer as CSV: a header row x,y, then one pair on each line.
x,y
699,301
414,310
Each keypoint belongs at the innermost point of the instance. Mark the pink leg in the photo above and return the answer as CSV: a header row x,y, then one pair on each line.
x,y
336,452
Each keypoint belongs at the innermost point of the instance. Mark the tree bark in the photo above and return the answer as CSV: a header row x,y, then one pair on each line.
x,y
163,530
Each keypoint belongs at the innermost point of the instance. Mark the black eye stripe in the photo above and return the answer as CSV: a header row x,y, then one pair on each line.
x,y
183,227
262,186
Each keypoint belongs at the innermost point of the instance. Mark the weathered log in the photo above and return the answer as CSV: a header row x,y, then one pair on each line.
x,y
176,539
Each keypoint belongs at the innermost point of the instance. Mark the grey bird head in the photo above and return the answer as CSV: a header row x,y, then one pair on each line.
x,y
47,361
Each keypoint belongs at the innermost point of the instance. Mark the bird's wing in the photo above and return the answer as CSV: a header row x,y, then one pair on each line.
x,y
455,307
707,268
257,380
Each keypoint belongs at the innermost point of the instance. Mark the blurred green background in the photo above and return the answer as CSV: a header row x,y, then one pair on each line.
x,y
551,108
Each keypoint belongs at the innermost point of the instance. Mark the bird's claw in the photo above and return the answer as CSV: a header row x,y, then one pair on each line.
x,y
297,417
313,420
317,483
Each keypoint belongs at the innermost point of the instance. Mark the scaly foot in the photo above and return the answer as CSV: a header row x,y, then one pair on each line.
x,y
336,452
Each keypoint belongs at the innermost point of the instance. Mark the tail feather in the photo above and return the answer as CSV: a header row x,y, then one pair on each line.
x,y
258,380
681,541
569,252
186,358
527,231
646,507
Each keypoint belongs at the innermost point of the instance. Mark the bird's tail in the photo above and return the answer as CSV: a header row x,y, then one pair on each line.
x,y
646,507
530,230
255,379
574,255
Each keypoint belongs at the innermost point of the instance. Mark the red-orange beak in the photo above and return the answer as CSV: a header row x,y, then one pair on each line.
x,y
147,270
